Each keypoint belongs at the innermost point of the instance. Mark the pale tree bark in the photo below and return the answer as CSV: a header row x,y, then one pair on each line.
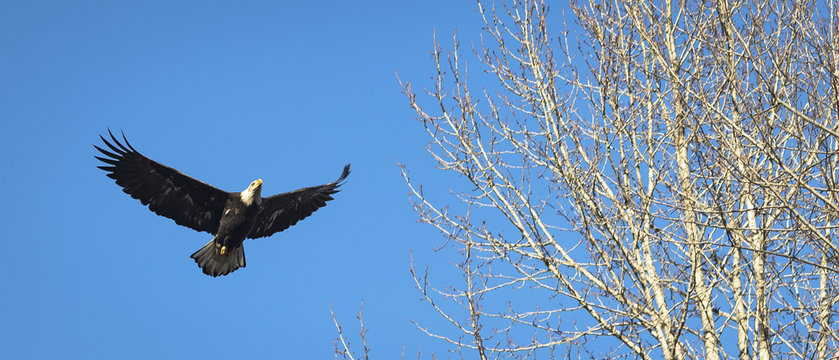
x,y
655,181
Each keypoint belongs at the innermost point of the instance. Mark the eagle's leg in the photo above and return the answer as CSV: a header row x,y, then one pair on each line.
x,y
223,250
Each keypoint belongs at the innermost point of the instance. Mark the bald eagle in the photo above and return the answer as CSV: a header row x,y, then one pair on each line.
x,y
230,217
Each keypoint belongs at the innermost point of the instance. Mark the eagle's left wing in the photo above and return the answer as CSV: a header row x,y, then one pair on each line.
x,y
166,191
278,212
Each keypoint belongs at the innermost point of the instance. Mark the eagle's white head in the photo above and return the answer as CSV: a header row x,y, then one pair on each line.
x,y
252,193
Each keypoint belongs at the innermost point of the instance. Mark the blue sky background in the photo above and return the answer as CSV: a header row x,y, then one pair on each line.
x,y
226,92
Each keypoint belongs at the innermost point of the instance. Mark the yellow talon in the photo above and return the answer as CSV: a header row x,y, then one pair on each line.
x,y
223,250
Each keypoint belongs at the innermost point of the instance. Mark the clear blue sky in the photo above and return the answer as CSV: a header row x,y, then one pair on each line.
x,y
226,92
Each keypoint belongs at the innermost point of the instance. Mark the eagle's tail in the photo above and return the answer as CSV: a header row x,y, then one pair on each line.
x,y
210,259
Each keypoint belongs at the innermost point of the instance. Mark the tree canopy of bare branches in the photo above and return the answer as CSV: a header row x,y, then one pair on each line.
x,y
649,180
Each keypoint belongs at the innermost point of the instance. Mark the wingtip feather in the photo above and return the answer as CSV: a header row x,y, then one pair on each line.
x,y
106,160
114,138
112,146
126,141
344,173
107,153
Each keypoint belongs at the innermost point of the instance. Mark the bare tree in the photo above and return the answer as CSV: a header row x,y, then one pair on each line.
x,y
342,345
655,180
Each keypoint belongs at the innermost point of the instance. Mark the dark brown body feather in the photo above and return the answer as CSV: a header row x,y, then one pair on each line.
x,y
202,207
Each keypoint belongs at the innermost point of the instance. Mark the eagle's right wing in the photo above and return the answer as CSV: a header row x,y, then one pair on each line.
x,y
279,212
166,191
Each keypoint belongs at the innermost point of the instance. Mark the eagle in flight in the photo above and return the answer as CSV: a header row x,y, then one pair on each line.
x,y
230,217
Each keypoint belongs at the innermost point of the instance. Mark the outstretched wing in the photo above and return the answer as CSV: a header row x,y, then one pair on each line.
x,y
278,212
166,191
